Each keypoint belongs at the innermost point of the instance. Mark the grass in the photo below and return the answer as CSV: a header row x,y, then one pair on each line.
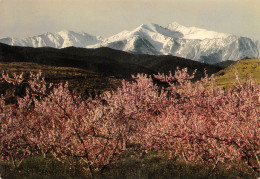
x,y
160,166
152,165
40,167
245,68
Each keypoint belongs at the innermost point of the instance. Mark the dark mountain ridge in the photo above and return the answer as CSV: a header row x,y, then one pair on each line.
x,y
102,60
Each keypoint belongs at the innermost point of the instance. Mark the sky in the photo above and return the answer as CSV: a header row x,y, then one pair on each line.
x,y
23,18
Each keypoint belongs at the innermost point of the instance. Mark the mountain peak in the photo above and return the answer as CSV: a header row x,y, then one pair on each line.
x,y
196,33
155,30
174,25
150,26
65,32
70,32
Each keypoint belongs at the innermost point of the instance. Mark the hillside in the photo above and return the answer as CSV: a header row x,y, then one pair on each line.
x,y
103,60
245,68
83,82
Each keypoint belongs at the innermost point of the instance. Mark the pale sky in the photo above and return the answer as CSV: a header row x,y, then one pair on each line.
x,y
22,18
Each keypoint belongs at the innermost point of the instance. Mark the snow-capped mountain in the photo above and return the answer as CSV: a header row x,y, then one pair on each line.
x,y
188,42
195,33
60,39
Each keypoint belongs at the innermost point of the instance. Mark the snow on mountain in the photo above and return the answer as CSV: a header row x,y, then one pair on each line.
x,y
60,39
145,39
195,33
188,42
192,43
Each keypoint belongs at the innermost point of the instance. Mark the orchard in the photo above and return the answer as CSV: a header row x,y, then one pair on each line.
x,y
196,121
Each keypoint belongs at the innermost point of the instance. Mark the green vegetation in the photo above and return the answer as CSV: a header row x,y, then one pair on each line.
x,y
40,167
161,165
151,165
244,68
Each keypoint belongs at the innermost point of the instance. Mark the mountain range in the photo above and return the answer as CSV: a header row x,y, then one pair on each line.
x,y
187,42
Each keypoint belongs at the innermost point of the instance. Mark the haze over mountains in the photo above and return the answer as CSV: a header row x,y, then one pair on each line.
x,y
188,42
